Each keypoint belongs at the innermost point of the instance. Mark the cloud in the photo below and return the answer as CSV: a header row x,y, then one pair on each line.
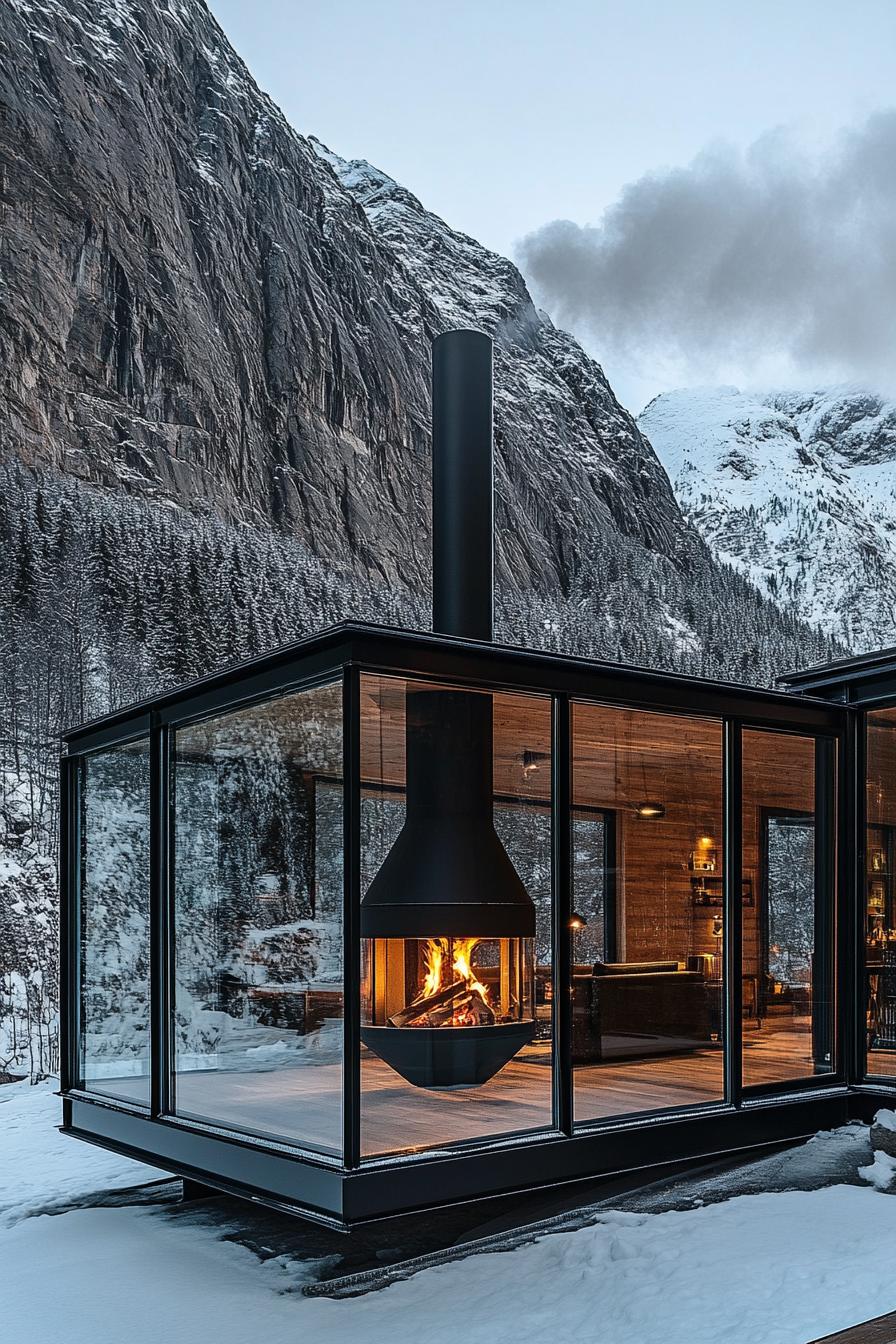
x,y
767,262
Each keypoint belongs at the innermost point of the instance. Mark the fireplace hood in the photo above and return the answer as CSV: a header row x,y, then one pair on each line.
x,y
448,874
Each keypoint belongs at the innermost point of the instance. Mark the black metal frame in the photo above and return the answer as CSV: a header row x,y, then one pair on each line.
x,y
319,1187
861,684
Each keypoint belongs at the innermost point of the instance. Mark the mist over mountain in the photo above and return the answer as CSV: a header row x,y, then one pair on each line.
x,y
775,258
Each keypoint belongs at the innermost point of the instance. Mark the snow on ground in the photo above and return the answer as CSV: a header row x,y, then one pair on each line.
x,y
41,1168
783,1268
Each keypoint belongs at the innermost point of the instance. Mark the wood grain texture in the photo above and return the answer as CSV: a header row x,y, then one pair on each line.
x,y
303,1104
881,1330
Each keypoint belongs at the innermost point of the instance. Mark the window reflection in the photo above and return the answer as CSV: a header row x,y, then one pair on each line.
x,y
114,903
258,846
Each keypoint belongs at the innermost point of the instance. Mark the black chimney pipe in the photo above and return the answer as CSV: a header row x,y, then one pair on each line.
x,y
463,523
447,872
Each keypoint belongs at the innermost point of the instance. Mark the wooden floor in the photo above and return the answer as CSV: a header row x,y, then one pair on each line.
x,y
882,1063
304,1104
882,1330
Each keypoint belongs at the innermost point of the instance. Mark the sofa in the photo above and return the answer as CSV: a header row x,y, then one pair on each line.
x,y
633,1010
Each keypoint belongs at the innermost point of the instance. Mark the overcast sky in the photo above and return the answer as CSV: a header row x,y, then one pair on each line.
x,y
664,133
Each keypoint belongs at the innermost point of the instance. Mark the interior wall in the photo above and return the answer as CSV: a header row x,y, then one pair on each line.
x,y
626,757
881,768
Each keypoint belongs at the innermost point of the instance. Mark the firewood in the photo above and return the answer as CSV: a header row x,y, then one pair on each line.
x,y
479,1006
420,1007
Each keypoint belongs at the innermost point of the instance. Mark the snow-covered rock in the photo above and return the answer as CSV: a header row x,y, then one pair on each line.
x,y
881,1170
795,490
883,1141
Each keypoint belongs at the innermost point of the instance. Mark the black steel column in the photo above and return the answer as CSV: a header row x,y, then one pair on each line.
x,y
69,923
852,901
561,864
161,949
462,485
733,929
825,886
351,916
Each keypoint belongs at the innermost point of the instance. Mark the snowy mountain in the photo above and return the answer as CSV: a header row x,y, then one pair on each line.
x,y
795,490
204,309
214,421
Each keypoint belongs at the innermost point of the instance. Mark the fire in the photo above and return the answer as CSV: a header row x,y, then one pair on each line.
x,y
433,956
463,951
460,999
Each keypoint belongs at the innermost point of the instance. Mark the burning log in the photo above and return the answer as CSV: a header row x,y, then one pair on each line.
x,y
460,1000
479,1008
420,1007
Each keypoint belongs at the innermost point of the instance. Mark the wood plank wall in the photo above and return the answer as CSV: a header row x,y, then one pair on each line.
x,y
881,764
623,758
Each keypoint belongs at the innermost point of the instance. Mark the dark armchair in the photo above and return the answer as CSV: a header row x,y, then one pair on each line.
x,y
631,1010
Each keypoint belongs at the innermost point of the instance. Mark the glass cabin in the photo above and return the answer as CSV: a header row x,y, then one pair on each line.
x,y
381,920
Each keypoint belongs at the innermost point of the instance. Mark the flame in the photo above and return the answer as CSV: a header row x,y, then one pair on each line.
x,y
433,955
463,951
438,955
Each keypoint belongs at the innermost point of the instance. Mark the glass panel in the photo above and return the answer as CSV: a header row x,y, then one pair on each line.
x,y
258,862
114,901
879,894
787,939
593,920
457,989
648,978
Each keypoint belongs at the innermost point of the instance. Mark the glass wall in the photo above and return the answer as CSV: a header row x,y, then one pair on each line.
x,y
647,885
879,895
788,792
114,916
457,1008
258,888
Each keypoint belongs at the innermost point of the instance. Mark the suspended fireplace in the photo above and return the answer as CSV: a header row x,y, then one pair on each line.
x,y
448,928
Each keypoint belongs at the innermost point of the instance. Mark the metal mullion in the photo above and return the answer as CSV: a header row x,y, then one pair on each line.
x,y
351,929
70,923
732,828
561,865
161,948
851,900
823,978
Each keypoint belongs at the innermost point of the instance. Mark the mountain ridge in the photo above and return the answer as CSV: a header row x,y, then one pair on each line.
x,y
207,311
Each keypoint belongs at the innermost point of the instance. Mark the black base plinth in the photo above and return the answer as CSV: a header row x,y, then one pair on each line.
x,y
448,1056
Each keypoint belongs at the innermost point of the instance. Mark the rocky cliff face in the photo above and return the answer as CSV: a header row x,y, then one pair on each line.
x,y
797,491
207,314
203,307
